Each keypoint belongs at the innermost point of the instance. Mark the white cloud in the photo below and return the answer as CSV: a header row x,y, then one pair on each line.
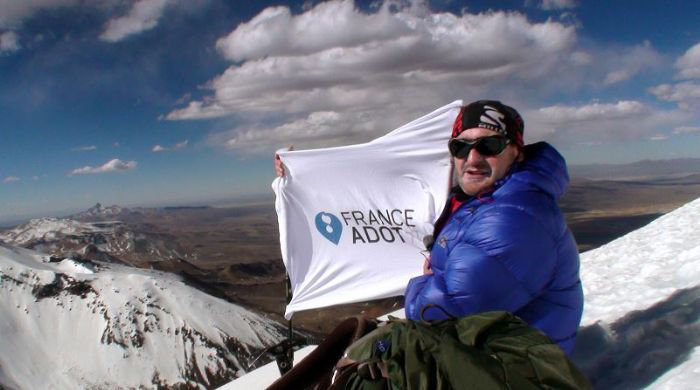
x,y
686,130
688,64
116,144
346,57
553,5
114,165
561,114
35,178
11,179
276,32
177,146
314,130
686,94
9,42
142,16
334,74
84,148
622,120
627,62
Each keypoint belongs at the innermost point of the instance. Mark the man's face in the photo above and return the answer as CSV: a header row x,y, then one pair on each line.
x,y
476,172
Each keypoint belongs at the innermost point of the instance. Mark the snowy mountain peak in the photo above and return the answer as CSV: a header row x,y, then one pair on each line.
x,y
106,326
100,211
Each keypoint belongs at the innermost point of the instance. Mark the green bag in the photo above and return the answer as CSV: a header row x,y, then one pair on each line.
x,y
493,350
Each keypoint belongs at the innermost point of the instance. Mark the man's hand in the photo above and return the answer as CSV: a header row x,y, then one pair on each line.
x,y
279,167
426,267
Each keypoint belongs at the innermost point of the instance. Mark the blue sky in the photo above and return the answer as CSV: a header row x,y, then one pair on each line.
x,y
166,102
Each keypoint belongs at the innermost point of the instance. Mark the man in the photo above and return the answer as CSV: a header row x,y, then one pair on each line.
x,y
501,242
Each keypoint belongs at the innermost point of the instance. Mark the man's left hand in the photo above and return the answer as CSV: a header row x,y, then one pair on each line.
x,y
426,267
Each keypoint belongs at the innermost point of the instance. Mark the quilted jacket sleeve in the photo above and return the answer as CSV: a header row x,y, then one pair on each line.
x,y
501,262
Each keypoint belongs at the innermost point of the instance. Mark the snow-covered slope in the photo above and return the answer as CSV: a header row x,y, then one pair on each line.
x,y
643,267
641,321
72,324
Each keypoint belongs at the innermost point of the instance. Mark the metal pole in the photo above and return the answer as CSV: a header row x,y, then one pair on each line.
x,y
285,357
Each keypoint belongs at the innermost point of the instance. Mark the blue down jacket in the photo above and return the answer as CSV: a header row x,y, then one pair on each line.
x,y
509,250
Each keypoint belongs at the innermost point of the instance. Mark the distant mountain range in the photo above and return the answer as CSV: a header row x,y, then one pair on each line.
x,y
111,241
639,169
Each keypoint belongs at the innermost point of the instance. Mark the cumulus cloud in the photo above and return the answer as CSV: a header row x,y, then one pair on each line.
x,y
616,121
688,64
554,5
346,57
626,62
561,114
334,74
142,16
11,179
84,148
114,165
177,146
9,42
313,130
686,94
276,32
374,70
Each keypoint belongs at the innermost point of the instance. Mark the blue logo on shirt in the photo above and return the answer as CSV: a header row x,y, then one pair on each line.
x,y
329,226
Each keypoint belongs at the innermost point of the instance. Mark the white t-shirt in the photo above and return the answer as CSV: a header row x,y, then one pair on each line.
x,y
352,219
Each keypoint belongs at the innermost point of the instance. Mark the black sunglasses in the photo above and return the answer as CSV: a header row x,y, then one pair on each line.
x,y
486,146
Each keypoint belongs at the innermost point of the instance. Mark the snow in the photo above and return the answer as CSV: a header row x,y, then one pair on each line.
x,y
73,325
631,285
73,267
264,376
642,290
643,267
46,229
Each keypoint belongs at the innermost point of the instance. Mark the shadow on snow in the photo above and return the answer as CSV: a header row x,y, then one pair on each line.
x,y
641,346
